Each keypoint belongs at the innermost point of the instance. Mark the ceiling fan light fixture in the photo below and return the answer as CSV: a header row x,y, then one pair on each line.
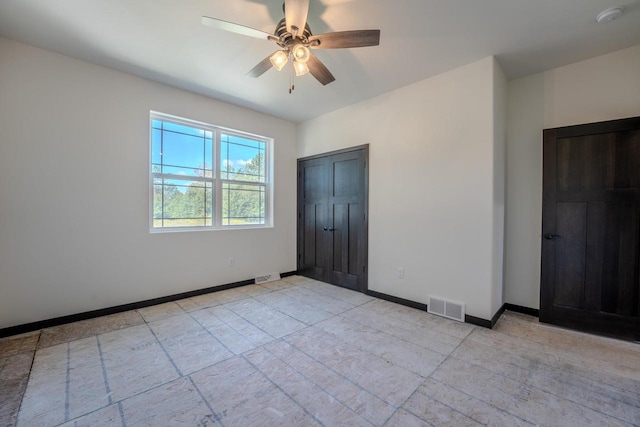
x,y
301,53
301,68
279,59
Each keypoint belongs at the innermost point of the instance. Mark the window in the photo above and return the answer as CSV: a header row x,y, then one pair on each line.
x,y
207,177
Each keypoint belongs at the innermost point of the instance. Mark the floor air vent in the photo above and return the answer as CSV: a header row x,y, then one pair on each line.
x,y
272,277
446,308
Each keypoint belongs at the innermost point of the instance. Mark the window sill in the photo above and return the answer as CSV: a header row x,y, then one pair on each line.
x,y
205,229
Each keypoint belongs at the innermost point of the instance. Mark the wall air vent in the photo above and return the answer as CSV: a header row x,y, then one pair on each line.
x,y
446,308
271,277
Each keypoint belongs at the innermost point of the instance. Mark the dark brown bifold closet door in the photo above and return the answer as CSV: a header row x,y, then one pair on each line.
x,y
332,218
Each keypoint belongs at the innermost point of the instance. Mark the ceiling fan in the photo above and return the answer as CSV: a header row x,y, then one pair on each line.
x,y
294,37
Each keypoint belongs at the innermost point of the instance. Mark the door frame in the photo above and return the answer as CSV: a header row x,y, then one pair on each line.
x,y
364,287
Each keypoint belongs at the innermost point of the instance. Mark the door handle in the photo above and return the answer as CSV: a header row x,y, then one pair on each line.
x,y
550,236
325,228
332,229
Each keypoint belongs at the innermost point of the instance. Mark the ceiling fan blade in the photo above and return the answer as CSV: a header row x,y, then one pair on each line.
x,y
345,39
236,28
262,67
295,14
319,71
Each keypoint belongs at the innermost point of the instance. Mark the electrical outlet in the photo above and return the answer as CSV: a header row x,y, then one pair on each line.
x,y
400,272
231,262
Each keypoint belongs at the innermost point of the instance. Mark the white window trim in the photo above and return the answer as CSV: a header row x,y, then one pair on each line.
x,y
216,179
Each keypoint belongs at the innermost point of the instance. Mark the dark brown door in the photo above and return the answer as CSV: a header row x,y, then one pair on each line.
x,y
591,228
332,218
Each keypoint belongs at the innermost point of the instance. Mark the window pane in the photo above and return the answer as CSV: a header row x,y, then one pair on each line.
x,y
183,129
243,204
242,159
156,153
182,203
181,150
208,154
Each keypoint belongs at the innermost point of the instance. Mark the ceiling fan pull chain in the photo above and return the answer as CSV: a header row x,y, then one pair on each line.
x,y
291,77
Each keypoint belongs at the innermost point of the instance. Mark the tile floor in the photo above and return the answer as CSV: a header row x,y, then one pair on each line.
x,y
299,352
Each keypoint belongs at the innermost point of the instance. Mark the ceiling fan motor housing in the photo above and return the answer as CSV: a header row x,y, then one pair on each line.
x,y
287,39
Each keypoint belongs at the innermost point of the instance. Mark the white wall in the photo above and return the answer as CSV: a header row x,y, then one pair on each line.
x,y
500,85
598,89
432,202
524,192
74,192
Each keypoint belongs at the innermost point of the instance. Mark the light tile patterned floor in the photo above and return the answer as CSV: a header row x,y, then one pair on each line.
x,y
299,352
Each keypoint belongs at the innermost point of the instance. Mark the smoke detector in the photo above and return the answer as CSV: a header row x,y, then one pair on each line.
x,y
609,15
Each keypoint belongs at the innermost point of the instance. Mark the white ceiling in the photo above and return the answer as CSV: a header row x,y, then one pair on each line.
x,y
164,40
